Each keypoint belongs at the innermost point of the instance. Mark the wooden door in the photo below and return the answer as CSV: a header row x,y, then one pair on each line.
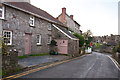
x,y
62,46
27,44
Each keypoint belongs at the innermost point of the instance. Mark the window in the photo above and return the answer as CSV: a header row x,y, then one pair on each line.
x,y
38,39
49,26
49,39
7,37
1,11
32,21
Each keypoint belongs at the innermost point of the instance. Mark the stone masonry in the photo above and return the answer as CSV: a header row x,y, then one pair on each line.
x,y
18,22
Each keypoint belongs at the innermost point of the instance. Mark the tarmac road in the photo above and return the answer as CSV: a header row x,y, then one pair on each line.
x,y
95,65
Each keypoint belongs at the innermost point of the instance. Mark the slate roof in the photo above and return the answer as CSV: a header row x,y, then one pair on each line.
x,y
66,31
27,7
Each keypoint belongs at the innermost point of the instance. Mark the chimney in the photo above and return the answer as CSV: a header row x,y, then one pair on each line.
x,y
71,16
63,12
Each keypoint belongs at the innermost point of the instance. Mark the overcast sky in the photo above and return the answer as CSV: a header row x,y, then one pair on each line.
x,y
100,16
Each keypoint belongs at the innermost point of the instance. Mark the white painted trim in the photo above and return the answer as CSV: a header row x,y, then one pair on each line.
x,y
64,32
40,40
3,12
31,13
49,26
10,36
114,63
32,18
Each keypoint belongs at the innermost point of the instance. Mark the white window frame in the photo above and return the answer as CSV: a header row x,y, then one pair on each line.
x,y
32,18
10,37
3,11
49,39
49,26
40,39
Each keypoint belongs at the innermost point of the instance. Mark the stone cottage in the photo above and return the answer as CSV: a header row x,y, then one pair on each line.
x,y
29,29
66,42
72,25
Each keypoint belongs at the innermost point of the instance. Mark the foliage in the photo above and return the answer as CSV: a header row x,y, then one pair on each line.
x,y
88,37
81,39
87,34
4,46
98,45
116,48
25,56
88,41
53,42
39,54
53,52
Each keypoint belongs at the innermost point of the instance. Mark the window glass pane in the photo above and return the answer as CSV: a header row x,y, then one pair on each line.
x,y
0,13
38,38
7,37
31,21
49,39
0,6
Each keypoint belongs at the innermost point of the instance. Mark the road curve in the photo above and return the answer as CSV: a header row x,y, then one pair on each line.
x,y
95,65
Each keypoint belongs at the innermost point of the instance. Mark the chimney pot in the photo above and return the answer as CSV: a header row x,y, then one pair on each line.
x,y
71,16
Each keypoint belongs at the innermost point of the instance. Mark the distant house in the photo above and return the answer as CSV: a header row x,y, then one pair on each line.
x,y
107,42
72,25
30,30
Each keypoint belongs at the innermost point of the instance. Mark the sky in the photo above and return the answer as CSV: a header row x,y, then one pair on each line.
x,y
99,16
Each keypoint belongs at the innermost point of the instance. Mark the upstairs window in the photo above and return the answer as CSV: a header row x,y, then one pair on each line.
x,y
1,11
7,37
38,39
49,26
32,21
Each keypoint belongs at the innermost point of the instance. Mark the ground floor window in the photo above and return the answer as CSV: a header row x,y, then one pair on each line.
x,y
38,39
49,39
7,37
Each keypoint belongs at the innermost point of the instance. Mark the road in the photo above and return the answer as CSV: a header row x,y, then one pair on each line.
x,y
95,65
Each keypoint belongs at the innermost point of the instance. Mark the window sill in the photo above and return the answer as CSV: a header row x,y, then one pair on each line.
x,y
3,19
39,44
49,29
32,26
48,43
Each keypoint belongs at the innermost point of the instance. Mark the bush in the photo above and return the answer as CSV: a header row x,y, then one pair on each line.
x,y
52,52
116,48
81,39
53,43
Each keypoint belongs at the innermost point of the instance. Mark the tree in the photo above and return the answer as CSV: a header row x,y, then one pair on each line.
x,y
88,37
81,39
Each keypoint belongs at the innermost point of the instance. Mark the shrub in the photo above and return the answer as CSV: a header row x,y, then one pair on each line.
x,y
53,43
81,39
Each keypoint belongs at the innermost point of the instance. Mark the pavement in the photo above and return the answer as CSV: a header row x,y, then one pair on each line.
x,y
95,65
37,60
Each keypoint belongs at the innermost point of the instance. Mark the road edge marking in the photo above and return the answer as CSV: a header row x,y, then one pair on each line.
x,y
39,68
114,63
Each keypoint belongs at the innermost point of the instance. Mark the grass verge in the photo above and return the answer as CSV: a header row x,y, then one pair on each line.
x,y
26,56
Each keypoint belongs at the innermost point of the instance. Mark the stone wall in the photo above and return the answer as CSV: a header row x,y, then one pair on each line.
x,y
18,22
10,62
0,48
73,45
